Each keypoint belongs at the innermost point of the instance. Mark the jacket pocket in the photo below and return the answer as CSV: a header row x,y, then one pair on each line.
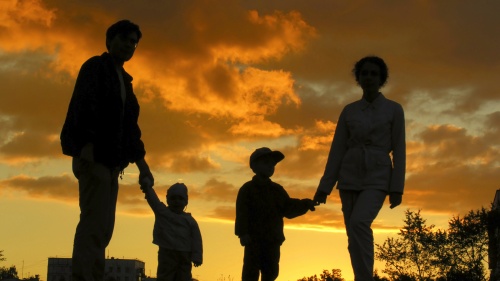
x,y
79,165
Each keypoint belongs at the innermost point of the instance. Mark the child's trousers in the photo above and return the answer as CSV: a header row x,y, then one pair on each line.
x,y
263,257
173,265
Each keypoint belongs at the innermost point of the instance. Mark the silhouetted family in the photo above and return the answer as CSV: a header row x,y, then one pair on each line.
x,y
101,132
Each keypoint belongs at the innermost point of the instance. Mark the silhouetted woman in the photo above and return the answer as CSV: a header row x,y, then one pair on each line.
x,y
360,162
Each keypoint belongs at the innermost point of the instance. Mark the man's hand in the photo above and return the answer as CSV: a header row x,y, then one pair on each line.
x,y
87,152
395,199
145,176
320,197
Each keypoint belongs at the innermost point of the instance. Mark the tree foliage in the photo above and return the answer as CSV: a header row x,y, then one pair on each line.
x,y
422,253
8,273
335,275
11,272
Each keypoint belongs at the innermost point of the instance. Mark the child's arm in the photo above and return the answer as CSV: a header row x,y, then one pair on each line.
x,y
298,207
152,198
294,207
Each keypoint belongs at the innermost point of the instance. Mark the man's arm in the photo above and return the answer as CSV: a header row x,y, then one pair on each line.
x,y
145,176
79,130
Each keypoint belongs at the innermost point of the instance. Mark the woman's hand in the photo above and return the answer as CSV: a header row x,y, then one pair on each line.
x,y
320,197
395,199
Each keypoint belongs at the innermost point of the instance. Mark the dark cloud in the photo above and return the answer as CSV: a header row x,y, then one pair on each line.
x,y
448,142
445,187
216,190
227,213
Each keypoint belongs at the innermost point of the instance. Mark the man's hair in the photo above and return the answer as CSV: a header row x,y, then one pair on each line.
x,y
123,27
384,70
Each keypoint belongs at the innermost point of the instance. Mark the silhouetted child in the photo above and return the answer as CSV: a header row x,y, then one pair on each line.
x,y
176,233
260,208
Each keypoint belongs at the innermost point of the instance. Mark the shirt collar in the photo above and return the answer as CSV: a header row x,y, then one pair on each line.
x,y
109,60
375,104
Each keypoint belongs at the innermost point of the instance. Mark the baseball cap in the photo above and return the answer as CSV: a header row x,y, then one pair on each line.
x,y
259,152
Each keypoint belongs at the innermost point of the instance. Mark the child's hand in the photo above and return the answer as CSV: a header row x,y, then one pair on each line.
x,y
310,204
245,240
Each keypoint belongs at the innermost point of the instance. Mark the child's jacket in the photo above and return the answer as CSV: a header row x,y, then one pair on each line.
x,y
179,232
261,206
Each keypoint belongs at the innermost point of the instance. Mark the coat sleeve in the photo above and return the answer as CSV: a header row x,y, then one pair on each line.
x,y
296,207
197,243
398,140
335,156
293,207
241,222
81,119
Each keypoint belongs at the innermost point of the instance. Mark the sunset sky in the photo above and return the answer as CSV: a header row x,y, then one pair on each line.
x,y
217,79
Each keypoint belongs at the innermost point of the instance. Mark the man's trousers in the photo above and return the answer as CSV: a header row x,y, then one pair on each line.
x,y
98,188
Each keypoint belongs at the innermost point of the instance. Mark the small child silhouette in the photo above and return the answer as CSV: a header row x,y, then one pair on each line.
x,y
261,206
176,233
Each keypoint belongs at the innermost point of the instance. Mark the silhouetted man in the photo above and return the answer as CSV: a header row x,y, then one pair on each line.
x,y
102,135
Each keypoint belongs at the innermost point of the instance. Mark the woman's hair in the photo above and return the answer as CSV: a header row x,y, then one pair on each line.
x,y
123,27
384,70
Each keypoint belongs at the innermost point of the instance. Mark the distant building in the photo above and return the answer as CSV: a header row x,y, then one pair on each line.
x,y
59,269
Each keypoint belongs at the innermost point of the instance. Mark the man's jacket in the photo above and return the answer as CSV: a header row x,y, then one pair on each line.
x,y
98,115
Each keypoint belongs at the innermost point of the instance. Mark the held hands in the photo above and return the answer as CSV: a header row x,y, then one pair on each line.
x,y
310,204
320,197
145,184
196,263
146,178
395,199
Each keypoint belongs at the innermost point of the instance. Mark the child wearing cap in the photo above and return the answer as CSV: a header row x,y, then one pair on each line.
x,y
261,206
176,233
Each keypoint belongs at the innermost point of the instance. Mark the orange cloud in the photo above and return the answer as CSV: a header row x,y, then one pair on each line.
x,y
216,80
